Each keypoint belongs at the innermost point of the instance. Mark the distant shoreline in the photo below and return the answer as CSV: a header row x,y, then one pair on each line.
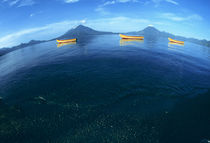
x,y
83,30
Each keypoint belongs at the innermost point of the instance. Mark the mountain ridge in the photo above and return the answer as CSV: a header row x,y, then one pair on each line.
x,y
81,31
152,31
4,51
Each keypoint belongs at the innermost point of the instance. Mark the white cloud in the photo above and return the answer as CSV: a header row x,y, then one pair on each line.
x,y
26,3
195,17
109,3
157,2
174,17
172,1
39,33
83,21
123,1
71,1
13,2
118,1
115,24
19,3
36,13
56,29
102,10
14,36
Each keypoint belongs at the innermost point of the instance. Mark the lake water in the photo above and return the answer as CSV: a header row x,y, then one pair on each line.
x,y
103,89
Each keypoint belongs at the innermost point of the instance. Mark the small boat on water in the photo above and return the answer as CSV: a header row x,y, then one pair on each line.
x,y
131,37
66,41
65,44
175,41
132,40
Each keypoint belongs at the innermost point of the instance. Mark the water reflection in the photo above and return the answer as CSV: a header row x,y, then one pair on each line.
x,y
174,46
151,41
64,44
206,50
170,44
126,42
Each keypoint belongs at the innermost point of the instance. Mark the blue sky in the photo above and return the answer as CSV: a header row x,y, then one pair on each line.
x,y
23,20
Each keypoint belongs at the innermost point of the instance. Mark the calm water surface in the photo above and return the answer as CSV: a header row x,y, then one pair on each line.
x,y
104,89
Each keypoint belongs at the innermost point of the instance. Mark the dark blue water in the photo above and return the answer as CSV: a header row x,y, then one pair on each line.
x,y
104,89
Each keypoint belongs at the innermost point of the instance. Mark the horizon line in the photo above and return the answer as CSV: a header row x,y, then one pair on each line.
x,y
84,25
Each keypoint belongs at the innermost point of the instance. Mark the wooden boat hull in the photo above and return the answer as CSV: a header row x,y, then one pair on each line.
x,y
131,37
175,41
66,41
64,44
132,40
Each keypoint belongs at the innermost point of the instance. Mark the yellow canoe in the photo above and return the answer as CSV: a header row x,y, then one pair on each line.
x,y
175,41
132,40
131,37
64,44
66,41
